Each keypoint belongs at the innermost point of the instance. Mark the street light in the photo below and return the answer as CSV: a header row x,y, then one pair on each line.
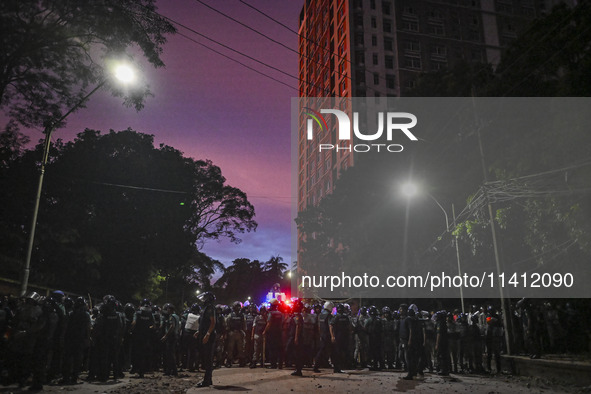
x,y
410,190
125,75
198,292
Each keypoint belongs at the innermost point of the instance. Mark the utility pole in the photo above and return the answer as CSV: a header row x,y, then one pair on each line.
x,y
493,232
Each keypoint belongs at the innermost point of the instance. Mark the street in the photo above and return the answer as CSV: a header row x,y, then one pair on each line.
x,y
273,381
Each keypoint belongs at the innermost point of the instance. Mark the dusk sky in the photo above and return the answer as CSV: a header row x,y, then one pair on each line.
x,y
210,107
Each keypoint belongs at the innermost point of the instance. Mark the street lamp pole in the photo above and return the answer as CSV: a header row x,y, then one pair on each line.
x,y
124,74
49,129
447,229
409,190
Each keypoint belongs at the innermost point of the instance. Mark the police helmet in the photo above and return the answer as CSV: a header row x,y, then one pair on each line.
x,y
236,306
297,306
206,298
146,302
386,310
58,295
263,310
34,297
373,311
129,308
362,311
168,307
341,308
68,303
328,305
80,302
195,309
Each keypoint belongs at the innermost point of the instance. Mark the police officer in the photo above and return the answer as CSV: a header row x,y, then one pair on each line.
x,y
77,339
494,338
388,337
325,345
191,327
142,325
412,341
171,325
126,351
374,330
27,326
309,335
260,322
442,343
339,332
108,334
249,316
236,327
206,336
296,330
361,337
272,333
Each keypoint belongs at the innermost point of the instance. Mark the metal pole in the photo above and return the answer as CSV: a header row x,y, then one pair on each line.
x,y
453,212
25,282
47,144
494,238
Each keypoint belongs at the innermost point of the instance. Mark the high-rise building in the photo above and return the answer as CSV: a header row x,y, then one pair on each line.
x,y
360,48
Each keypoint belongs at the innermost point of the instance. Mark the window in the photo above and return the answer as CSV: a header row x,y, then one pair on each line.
x,y
390,82
375,59
439,65
412,46
385,8
387,26
388,44
374,41
408,11
410,26
439,50
389,62
412,62
374,22
372,4
436,29
376,79
359,39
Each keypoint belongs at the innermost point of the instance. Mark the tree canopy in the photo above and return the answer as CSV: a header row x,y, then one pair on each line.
x,y
54,52
117,212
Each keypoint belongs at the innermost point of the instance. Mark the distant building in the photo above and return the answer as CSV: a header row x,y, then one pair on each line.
x,y
377,48
358,48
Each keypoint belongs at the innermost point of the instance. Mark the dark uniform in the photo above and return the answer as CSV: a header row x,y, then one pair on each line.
x,y
295,338
325,345
143,322
206,349
273,332
341,329
260,322
77,339
236,325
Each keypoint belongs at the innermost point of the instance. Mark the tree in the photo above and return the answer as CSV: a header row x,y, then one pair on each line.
x,y
118,212
55,51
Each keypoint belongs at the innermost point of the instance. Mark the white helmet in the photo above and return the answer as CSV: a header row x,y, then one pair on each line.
x,y
328,305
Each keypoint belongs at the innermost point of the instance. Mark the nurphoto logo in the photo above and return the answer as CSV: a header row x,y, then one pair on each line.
x,y
392,121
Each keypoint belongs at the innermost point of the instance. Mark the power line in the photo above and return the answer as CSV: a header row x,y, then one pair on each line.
x,y
314,43
237,61
324,66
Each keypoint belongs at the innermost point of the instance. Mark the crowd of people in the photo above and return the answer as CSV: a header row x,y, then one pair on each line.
x,y
56,338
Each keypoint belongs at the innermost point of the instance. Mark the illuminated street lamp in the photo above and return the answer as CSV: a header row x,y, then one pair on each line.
x,y
410,190
198,292
122,73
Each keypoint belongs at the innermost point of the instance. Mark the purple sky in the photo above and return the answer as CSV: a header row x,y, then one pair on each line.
x,y
212,108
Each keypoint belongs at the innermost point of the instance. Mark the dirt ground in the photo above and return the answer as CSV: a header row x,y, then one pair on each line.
x,y
280,381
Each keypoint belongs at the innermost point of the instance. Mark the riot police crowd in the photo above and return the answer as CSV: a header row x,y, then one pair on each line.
x,y
56,338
